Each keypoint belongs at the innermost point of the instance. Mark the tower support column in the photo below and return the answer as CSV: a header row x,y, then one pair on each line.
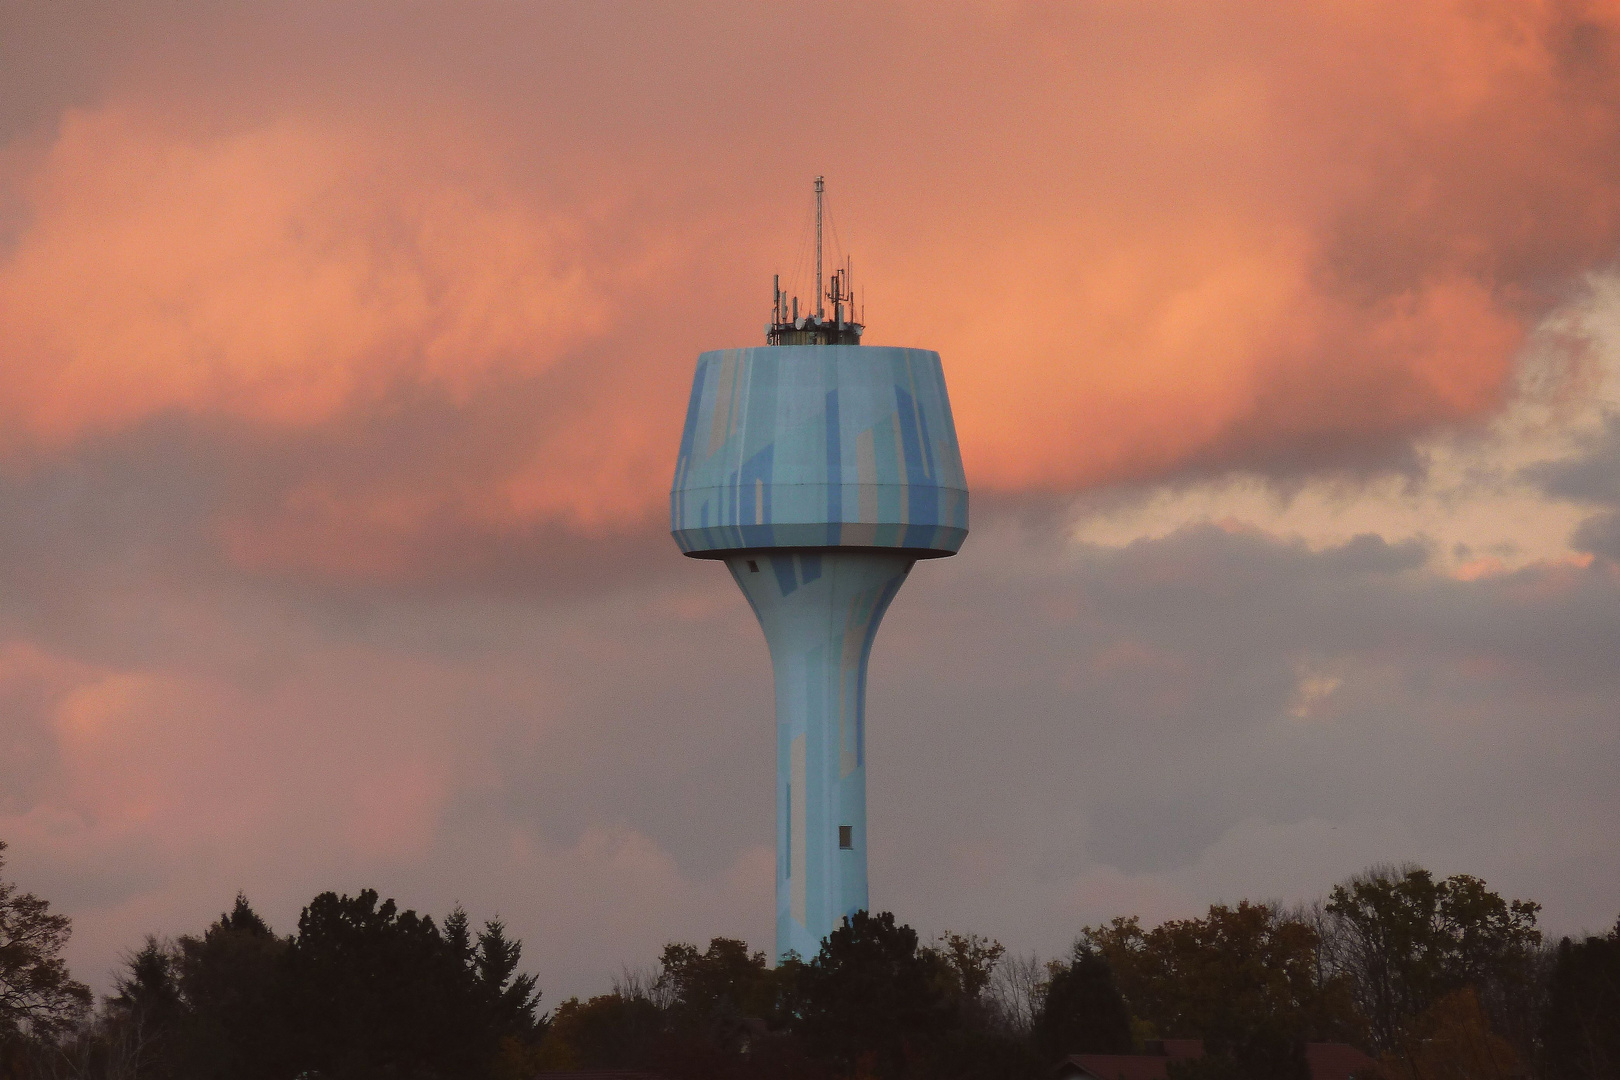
x,y
820,610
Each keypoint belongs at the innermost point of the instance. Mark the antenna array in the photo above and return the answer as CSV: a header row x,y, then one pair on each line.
x,y
788,328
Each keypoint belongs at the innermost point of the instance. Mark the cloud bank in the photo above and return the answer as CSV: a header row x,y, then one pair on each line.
x,y
1147,238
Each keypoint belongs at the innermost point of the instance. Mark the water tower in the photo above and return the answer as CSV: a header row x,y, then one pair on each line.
x,y
820,470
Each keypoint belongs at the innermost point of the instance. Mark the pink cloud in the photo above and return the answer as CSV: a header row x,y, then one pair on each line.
x,y
1145,238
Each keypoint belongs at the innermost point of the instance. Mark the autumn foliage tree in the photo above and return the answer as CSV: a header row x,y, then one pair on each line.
x,y
1452,1040
1402,941
1245,979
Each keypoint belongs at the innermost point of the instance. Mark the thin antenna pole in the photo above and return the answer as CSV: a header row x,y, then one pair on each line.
x,y
820,186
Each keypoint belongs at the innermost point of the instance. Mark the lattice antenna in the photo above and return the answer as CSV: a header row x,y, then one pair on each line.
x,y
787,327
821,185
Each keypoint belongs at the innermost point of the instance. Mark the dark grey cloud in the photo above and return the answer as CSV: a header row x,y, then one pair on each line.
x,y
1128,707
1057,734
1599,535
1592,475
157,505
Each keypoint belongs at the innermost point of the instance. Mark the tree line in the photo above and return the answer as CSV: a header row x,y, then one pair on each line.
x,y
1436,979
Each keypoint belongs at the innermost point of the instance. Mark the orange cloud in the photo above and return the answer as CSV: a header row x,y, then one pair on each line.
x,y
278,274
1146,238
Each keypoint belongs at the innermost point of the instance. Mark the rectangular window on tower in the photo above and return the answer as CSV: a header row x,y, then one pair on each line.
x,y
846,837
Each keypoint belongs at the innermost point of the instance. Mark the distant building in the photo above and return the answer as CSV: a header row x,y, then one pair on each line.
x,y
1327,1061
1337,1061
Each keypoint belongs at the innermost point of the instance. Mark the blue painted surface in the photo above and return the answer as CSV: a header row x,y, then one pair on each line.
x,y
808,462
819,445
820,629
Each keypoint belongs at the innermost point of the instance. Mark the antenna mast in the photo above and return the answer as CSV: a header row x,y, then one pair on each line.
x,y
814,328
820,186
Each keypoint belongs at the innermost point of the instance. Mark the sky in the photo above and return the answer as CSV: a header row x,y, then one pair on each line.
x,y
343,355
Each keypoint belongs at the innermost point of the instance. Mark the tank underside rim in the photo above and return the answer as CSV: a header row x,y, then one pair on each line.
x,y
821,549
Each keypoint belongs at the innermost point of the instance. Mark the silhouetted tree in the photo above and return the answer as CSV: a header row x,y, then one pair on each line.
x,y
1224,977
1245,979
971,959
980,1043
611,1031
1017,992
871,999
510,998
1403,941
38,998
377,992
1452,1040
363,991
149,1008
233,981
1083,1012
1580,1030
719,991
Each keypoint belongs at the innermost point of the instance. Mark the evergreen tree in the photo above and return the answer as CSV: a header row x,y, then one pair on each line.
x,y
509,998
149,1007
378,992
234,983
1580,1030
1083,1012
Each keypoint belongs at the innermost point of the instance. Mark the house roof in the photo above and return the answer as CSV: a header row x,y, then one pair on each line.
x,y
1327,1061
1336,1061
1113,1067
